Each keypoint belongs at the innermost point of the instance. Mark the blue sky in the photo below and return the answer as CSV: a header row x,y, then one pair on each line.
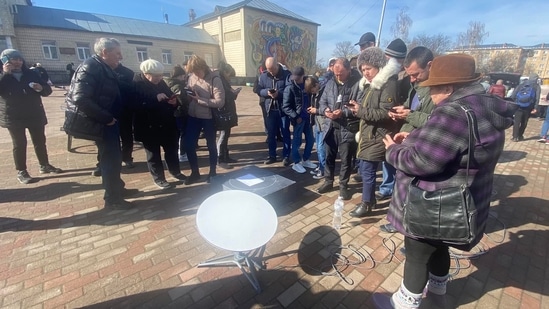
x,y
519,22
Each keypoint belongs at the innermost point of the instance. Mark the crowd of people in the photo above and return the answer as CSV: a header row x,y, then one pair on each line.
x,y
396,108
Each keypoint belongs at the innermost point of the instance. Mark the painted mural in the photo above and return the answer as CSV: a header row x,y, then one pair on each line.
x,y
289,44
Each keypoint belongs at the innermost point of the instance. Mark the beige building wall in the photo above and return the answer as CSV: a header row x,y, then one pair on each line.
x,y
538,62
248,36
233,42
29,41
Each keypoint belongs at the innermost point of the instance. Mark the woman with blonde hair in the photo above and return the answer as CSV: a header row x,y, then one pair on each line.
x,y
206,93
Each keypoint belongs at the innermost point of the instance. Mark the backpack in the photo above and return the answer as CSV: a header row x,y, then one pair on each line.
x,y
526,95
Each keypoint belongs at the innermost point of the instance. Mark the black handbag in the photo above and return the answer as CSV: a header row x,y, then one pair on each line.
x,y
224,118
447,215
78,125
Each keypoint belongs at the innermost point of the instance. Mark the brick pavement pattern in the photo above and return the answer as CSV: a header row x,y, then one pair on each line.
x,y
60,249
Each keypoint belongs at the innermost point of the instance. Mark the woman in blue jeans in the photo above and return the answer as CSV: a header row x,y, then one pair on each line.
x,y
206,92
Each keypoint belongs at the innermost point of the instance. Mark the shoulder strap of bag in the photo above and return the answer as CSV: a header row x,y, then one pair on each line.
x,y
473,135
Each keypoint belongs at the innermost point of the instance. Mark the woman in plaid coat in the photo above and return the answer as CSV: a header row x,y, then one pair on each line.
x,y
437,154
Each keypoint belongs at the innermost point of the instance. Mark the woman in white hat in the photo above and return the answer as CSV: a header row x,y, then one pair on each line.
x,y
155,124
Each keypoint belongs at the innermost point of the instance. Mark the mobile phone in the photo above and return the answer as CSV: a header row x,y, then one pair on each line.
x,y
172,97
190,92
5,59
271,90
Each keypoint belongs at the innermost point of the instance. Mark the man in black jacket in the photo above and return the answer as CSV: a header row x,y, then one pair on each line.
x,y
339,133
96,93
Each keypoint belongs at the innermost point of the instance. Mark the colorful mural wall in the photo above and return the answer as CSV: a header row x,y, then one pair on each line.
x,y
291,45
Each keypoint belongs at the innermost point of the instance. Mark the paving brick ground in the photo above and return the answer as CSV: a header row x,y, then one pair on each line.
x,y
60,249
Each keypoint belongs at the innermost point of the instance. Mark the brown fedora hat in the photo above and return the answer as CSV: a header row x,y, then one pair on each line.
x,y
452,69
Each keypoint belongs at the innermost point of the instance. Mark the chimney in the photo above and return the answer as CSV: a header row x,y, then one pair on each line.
x,y
192,15
166,18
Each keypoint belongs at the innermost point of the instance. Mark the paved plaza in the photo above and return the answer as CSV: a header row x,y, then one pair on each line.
x,y
60,249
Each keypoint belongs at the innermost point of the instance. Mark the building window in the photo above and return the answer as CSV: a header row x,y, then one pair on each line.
x,y
83,50
3,43
50,50
166,56
187,56
142,54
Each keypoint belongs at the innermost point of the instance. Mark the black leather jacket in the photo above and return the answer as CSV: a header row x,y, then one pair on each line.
x,y
95,91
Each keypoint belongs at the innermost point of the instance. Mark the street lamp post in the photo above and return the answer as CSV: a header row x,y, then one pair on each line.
x,y
381,23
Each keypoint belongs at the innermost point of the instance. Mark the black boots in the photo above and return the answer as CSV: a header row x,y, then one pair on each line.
x,y
223,159
362,210
327,186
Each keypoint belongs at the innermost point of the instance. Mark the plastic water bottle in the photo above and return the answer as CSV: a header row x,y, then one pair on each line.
x,y
338,212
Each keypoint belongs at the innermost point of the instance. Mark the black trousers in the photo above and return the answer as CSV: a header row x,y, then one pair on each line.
x,y
19,140
126,135
521,121
154,158
423,258
334,144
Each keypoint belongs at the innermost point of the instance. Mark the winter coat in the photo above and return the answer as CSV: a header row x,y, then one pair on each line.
x,y
436,153
379,97
95,90
153,119
210,94
294,103
533,81
329,100
178,86
268,81
20,105
418,117
230,100
498,90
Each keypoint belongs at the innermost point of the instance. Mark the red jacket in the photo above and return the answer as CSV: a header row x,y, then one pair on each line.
x,y
498,90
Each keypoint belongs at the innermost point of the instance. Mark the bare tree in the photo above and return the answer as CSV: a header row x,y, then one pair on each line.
x,y
474,35
402,25
502,62
344,49
438,43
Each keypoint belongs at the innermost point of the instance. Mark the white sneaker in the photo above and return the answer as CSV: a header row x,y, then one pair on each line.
x,y
541,140
318,175
298,168
183,158
308,164
315,171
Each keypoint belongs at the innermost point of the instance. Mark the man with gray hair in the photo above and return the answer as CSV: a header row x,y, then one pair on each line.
x,y
95,93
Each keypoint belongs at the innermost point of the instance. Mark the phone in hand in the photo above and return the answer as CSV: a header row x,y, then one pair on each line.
x,y
271,90
190,92
172,97
5,59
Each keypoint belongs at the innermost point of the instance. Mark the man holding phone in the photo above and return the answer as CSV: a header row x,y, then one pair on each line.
x,y
271,86
21,92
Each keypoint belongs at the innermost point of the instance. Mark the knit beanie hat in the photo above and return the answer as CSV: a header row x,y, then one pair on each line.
x,y
397,49
373,56
11,54
151,66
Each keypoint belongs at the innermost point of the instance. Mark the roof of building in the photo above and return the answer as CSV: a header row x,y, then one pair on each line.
x,y
33,16
262,5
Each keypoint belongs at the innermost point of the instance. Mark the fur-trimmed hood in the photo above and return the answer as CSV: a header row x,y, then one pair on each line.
x,y
391,68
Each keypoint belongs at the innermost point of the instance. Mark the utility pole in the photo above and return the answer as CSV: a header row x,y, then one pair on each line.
x,y
381,23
